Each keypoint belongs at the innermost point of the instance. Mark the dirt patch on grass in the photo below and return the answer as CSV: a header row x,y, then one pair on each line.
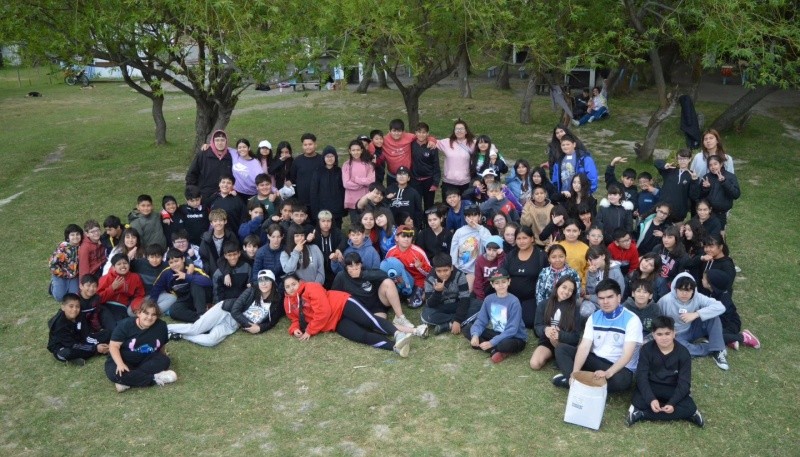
x,y
54,157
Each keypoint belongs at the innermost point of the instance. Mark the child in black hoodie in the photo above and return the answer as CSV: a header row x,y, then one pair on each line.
x,y
327,188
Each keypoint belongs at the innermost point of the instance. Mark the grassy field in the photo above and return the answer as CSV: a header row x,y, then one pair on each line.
x,y
79,154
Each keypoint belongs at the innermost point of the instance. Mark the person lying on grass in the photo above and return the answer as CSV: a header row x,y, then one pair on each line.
x,y
313,310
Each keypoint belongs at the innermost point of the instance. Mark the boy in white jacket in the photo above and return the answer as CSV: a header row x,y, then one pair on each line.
x,y
696,316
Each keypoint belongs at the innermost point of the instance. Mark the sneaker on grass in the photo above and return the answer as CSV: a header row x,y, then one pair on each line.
x,y
173,336
165,377
560,380
121,387
721,359
750,339
441,328
402,343
734,345
697,419
634,416
402,321
421,330
417,298
77,362
498,356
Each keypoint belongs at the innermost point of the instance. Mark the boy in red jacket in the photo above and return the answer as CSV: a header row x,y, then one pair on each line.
x,y
414,260
120,291
623,249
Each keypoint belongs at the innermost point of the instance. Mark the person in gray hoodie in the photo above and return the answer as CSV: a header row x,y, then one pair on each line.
x,y
696,318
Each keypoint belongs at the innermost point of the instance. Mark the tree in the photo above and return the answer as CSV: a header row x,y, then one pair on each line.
x,y
207,51
764,38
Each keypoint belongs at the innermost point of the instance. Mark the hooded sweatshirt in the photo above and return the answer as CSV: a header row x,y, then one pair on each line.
x,y
207,167
468,243
721,284
130,294
611,217
707,307
370,259
327,189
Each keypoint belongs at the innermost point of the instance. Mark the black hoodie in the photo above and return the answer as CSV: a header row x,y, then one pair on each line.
x,y
327,189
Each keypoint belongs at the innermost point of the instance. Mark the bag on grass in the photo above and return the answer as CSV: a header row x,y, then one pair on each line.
x,y
586,401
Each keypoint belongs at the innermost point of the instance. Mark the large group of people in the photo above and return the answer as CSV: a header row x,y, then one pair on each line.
x,y
628,282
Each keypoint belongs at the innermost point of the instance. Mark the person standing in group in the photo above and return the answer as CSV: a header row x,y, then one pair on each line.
x,y
457,150
209,165
301,173
358,173
425,170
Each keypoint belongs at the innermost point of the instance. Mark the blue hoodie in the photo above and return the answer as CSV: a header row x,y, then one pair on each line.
x,y
370,260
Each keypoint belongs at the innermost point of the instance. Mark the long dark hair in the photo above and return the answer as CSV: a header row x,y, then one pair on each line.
x,y
525,180
675,232
695,245
295,229
567,321
595,252
476,153
366,157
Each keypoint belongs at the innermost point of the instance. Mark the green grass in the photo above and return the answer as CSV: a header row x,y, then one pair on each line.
x,y
272,395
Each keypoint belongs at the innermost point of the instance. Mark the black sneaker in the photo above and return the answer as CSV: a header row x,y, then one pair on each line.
x,y
77,362
560,380
441,328
175,336
720,358
697,419
634,416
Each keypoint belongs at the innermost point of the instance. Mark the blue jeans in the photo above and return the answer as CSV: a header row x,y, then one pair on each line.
x,y
62,286
594,115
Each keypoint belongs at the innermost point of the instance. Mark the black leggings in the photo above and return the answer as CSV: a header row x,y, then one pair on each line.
x,y
359,325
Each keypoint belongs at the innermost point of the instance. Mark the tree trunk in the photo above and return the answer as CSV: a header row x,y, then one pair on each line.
x,y
503,81
411,97
525,116
382,83
464,89
645,151
658,77
364,84
727,120
203,123
158,119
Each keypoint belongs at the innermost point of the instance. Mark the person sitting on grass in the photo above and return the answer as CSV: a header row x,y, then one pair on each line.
x,y
641,303
120,291
91,253
233,276
487,263
136,351
663,379
70,337
414,261
147,222
600,266
256,310
468,243
610,339
64,263
719,284
192,288
313,310
623,250
498,327
558,320
447,299
696,316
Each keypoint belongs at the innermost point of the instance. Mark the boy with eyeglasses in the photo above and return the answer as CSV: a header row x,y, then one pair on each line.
x,y
91,253
652,227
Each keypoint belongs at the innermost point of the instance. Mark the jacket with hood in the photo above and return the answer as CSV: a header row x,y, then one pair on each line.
x,y
594,278
369,256
706,307
168,282
149,228
611,217
671,264
364,289
322,309
720,194
207,167
724,264
327,189
302,174
584,164
130,294
425,163
209,252
239,306
356,178
406,200
268,259
630,194
676,189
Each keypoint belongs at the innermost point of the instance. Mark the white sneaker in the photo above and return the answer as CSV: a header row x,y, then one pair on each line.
x,y
165,377
575,123
402,321
421,330
121,387
402,343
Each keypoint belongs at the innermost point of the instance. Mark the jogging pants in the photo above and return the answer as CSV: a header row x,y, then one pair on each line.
x,y
140,375
359,325
508,345
210,329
